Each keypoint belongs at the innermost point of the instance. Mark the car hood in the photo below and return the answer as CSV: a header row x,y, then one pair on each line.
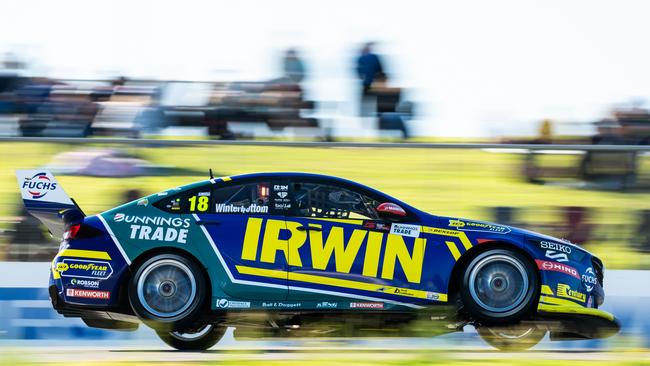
x,y
490,227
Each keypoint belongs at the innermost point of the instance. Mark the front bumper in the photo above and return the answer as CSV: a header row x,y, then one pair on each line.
x,y
576,322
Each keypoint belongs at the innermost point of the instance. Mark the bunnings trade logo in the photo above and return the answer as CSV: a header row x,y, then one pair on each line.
x,y
38,185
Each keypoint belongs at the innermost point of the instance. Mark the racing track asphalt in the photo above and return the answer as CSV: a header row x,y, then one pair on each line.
x,y
347,354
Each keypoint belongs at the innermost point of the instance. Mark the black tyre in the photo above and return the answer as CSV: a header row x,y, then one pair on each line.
x,y
167,292
500,286
202,339
512,338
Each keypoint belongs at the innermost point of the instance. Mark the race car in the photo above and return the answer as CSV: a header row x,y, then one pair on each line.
x,y
284,254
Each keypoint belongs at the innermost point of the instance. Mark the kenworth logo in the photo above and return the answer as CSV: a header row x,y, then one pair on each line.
x,y
289,238
39,185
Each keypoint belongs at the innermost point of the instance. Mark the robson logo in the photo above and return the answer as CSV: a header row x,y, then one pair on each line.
x,y
230,208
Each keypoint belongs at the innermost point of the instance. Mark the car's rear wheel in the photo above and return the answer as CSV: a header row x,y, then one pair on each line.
x,y
199,340
500,286
167,291
518,337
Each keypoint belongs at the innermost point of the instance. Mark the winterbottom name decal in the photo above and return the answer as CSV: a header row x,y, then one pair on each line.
x,y
230,208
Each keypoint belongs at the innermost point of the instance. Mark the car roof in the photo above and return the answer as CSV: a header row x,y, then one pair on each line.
x,y
314,176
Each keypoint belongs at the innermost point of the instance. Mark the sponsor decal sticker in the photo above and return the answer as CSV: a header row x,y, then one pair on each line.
x,y
335,251
327,305
225,303
84,283
80,268
412,231
556,251
230,208
463,225
566,292
143,202
39,185
557,267
281,305
589,279
158,228
366,305
88,294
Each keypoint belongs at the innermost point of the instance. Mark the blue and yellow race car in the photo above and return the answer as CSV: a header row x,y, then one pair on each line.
x,y
279,254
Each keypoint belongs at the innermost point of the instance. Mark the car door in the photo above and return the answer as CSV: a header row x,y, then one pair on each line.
x,y
231,221
343,247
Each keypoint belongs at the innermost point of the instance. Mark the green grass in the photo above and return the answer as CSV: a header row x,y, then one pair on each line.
x,y
464,183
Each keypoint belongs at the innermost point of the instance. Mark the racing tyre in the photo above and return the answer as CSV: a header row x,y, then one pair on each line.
x,y
167,292
500,286
204,338
512,338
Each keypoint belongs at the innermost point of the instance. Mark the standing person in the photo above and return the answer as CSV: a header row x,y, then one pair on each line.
x,y
293,67
369,69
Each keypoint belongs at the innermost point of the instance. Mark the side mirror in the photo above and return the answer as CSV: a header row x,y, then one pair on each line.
x,y
390,210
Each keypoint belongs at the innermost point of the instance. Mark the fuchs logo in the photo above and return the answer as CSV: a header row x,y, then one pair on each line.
x,y
39,185
557,267
589,279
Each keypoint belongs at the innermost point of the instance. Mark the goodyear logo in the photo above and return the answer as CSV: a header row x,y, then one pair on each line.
x,y
478,226
99,270
380,259
566,292
456,223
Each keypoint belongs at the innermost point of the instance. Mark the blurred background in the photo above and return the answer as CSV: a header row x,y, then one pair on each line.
x,y
560,79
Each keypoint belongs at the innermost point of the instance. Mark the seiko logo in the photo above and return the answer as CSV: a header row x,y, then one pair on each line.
x,y
555,246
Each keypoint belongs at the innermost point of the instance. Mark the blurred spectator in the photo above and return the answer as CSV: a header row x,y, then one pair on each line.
x,y
132,195
293,67
578,230
397,120
643,231
546,132
369,69
28,240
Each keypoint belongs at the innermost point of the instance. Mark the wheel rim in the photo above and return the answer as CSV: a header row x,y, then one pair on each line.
x,y
515,333
193,335
498,283
166,288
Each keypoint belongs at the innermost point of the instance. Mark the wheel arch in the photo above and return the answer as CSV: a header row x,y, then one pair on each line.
x,y
142,257
454,278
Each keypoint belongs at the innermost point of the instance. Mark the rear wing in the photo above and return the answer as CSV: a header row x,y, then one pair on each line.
x,y
45,199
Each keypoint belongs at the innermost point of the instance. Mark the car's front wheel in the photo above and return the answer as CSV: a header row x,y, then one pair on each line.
x,y
199,340
500,286
167,291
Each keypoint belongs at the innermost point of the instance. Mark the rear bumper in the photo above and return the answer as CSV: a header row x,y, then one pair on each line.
x,y
111,318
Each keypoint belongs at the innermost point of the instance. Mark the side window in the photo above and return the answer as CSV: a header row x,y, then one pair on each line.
x,y
330,201
196,200
249,198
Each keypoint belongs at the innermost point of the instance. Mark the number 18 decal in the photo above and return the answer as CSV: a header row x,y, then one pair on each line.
x,y
199,203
